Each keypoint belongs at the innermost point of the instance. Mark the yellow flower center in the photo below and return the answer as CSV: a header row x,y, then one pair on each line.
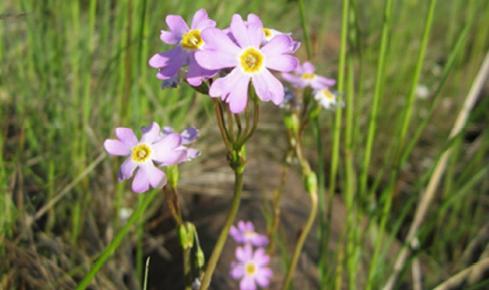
x,y
250,269
268,33
328,94
308,76
251,60
192,40
140,153
249,234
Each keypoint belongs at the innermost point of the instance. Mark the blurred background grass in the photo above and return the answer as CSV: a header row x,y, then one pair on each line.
x,y
71,71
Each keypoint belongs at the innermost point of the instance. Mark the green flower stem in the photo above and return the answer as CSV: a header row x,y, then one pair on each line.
x,y
237,161
221,241
116,242
310,181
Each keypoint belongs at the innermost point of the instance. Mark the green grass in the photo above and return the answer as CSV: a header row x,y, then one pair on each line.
x,y
71,71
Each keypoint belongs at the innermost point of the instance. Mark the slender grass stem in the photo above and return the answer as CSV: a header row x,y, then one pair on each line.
x,y
417,73
305,33
116,242
379,87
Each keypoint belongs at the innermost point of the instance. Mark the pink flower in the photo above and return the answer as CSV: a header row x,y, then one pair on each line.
x,y
251,267
304,76
142,155
248,61
187,41
245,233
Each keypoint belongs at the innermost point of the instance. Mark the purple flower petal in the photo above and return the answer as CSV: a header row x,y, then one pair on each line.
x,y
164,149
169,37
237,271
263,277
253,19
215,59
201,20
126,136
127,169
196,74
238,97
308,67
151,133
176,24
216,39
156,177
268,87
247,283
140,183
280,44
251,35
172,61
189,135
116,147
222,86
283,63
320,82
245,253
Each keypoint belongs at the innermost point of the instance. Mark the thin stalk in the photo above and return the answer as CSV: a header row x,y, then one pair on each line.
x,y
310,181
379,85
305,34
116,242
341,87
406,121
338,114
221,241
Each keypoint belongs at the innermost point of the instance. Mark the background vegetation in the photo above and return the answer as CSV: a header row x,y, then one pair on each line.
x,y
71,71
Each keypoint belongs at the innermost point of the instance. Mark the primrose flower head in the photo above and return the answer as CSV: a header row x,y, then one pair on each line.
x,y
328,99
244,233
248,60
187,40
251,268
144,153
304,76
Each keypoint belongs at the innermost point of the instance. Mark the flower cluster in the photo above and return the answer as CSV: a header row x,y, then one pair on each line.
x,y
251,264
244,53
304,76
156,148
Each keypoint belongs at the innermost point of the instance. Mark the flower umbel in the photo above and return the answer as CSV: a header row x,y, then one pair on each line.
x,y
249,60
187,41
143,154
251,268
244,233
